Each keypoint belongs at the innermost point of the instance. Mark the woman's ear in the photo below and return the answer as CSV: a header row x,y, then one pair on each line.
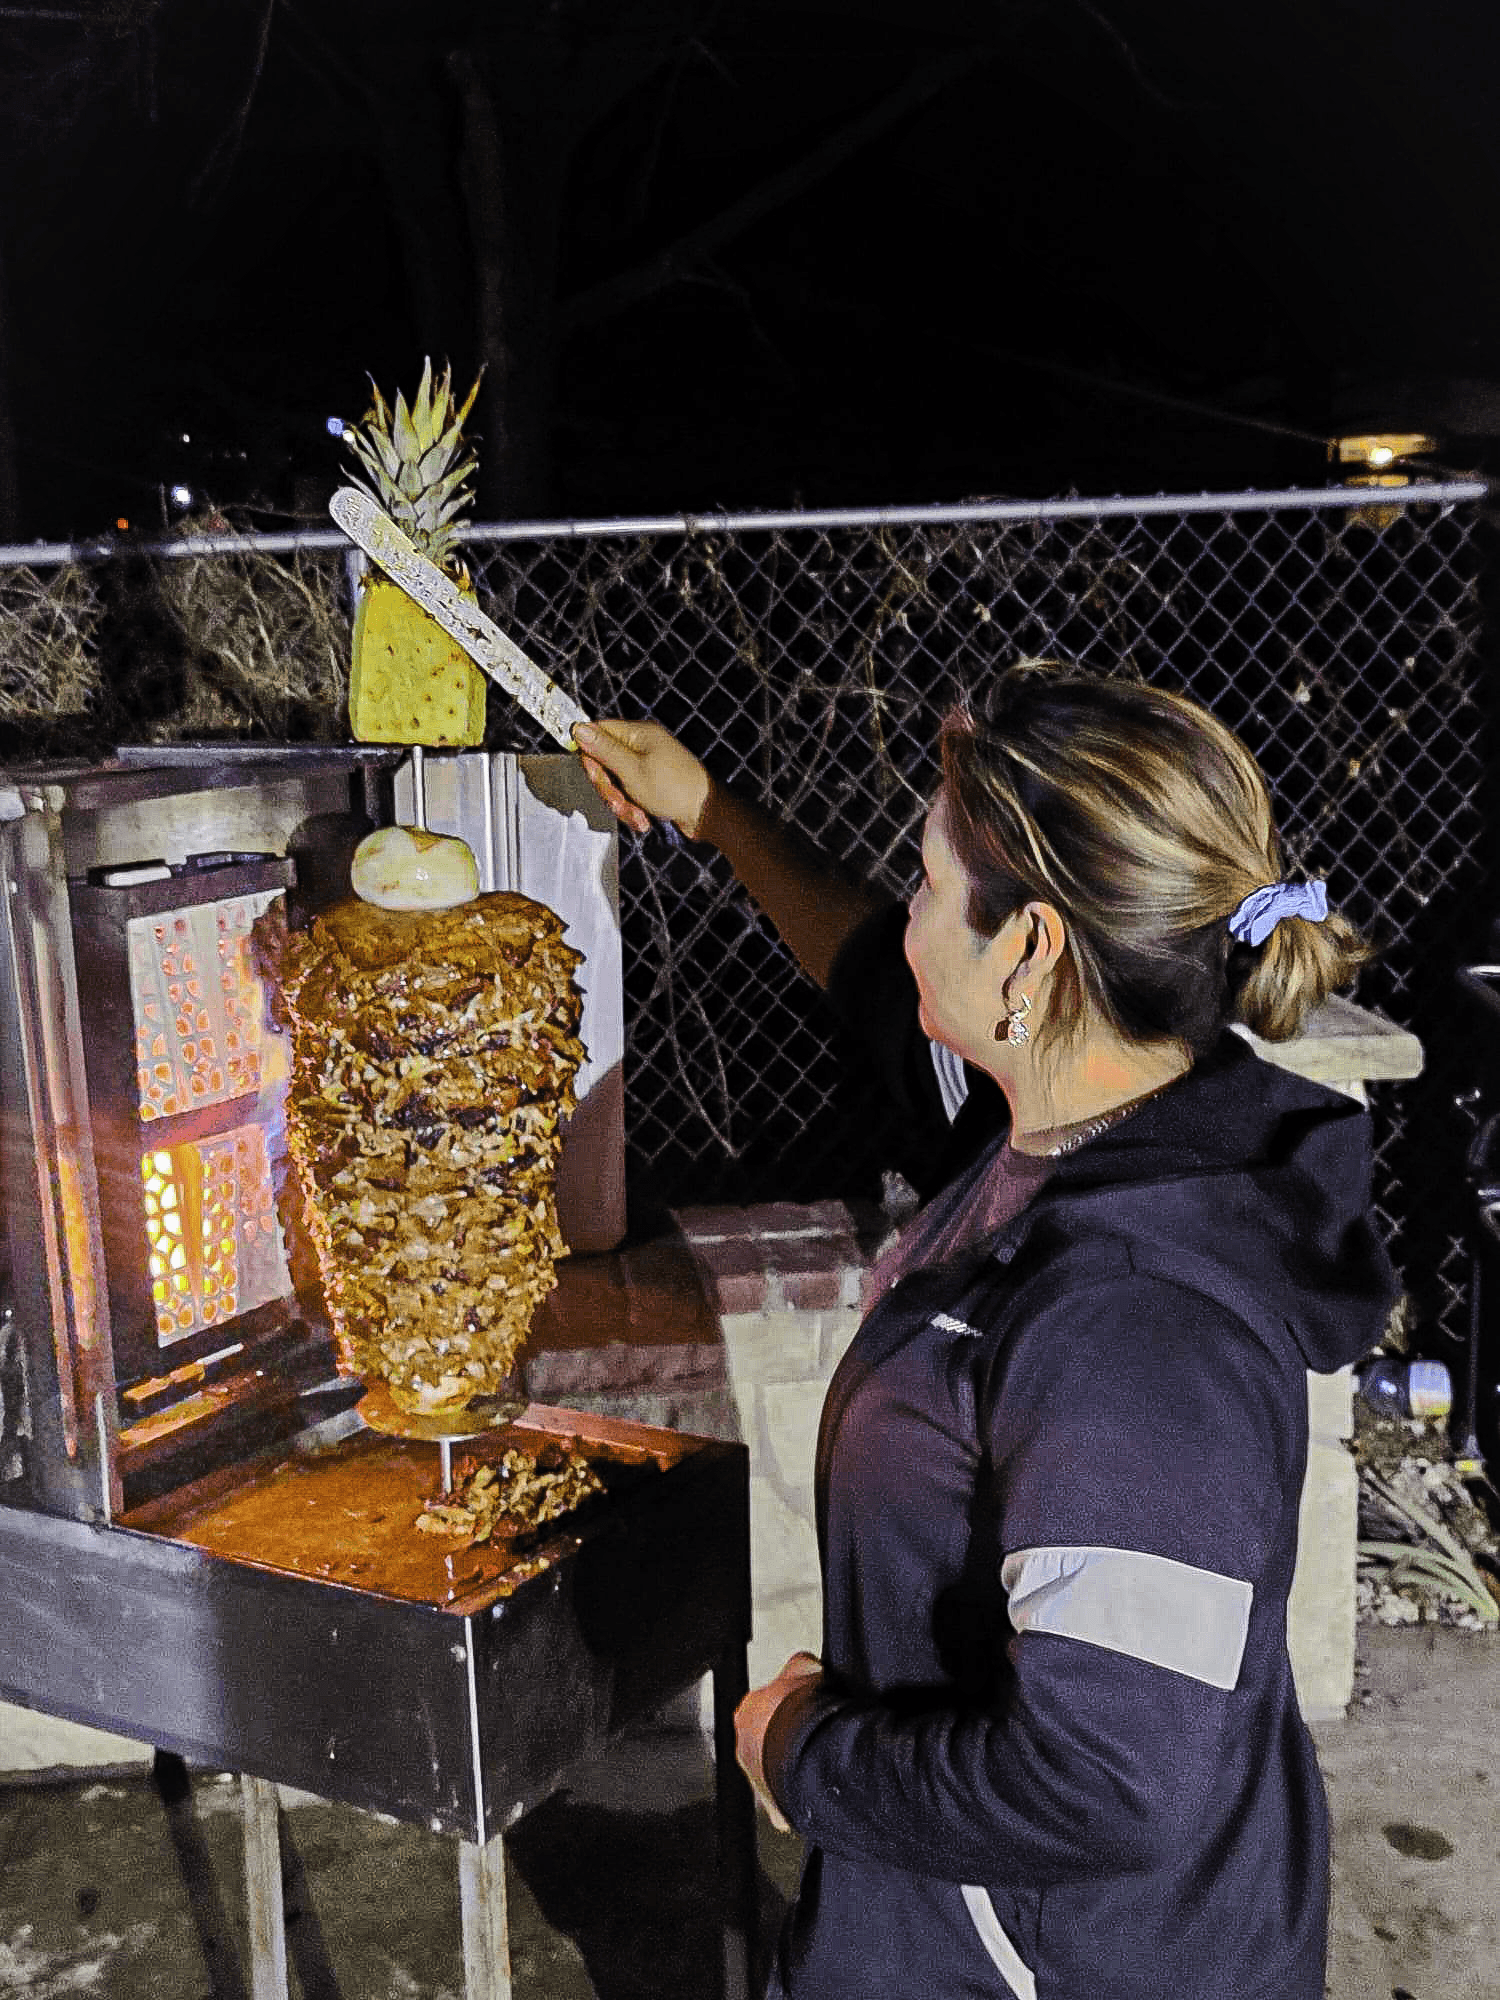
x,y
1046,939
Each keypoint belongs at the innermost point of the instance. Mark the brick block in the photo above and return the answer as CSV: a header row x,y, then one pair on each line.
x,y
781,1218
812,1291
713,1225
651,1295
558,1375
734,1271
666,1296
802,1275
700,1412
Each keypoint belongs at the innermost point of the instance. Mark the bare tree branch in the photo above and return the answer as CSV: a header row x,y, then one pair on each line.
x,y
678,259
215,169
605,69
1128,56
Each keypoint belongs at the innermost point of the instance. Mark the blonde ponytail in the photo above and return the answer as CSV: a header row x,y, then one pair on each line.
x,y
1277,984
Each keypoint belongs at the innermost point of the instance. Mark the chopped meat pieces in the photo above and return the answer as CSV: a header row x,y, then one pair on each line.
x,y
433,1057
520,1491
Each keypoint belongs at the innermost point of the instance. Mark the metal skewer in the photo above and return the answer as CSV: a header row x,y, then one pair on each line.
x,y
419,787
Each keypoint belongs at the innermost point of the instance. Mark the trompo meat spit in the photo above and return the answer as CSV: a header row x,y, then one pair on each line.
x,y
433,1057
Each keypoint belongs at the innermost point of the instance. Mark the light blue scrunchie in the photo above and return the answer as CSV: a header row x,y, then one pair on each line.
x,y
1262,910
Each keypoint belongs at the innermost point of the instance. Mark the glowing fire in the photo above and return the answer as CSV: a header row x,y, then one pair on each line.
x,y
213,1241
215,1248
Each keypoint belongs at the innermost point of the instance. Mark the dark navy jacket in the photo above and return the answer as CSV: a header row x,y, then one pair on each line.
x,y
1057,1749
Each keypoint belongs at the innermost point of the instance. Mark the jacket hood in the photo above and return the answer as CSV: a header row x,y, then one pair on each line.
x,y
1258,1171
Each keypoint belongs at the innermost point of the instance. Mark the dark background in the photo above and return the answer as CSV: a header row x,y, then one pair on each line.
x,y
715,253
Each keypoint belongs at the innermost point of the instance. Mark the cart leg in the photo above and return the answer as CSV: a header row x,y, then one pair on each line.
x,y
738,1879
263,1890
481,1895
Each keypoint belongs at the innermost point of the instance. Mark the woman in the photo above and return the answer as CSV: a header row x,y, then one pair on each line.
x,y
1053,1747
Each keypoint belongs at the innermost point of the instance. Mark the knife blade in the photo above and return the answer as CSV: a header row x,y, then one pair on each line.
x,y
481,638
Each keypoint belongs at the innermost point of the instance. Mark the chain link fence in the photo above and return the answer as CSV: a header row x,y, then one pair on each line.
x,y
809,661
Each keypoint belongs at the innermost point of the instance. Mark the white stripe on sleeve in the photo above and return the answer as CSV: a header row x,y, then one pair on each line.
x,y
1192,1621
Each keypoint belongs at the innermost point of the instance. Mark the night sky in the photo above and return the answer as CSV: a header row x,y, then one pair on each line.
x,y
739,255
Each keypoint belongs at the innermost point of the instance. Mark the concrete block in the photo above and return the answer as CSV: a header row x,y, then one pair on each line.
x,y
1321,1615
792,1411
783,1545
1330,1405
837,1329
852,1276
1344,1046
31,1744
790,1623
769,1347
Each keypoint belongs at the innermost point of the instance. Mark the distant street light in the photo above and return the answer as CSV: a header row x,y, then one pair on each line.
x,y
1374,454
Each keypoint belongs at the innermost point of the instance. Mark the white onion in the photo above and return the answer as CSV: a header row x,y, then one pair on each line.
x,y
405,868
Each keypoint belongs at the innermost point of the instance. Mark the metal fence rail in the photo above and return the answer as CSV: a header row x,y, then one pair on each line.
x,y
809,660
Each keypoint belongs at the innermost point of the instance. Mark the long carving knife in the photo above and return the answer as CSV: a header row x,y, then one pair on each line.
x,y
481,638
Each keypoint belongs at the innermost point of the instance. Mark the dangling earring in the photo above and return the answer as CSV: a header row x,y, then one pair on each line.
x,y
1016,1030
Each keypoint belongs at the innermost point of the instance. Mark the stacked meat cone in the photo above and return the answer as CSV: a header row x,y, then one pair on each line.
x,y
433,1058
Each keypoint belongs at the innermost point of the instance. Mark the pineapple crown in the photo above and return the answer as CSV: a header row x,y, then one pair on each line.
x,y
413,459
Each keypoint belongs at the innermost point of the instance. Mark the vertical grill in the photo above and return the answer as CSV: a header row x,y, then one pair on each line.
x,y
165,1323
162,1362
170,1325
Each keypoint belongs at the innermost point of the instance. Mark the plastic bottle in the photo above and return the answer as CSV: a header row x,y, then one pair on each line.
x,y
1397,1388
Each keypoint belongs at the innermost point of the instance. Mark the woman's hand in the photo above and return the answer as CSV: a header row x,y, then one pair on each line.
x,y
752,1718
639,768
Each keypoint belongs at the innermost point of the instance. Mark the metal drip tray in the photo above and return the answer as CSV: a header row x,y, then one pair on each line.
x,y
289,1623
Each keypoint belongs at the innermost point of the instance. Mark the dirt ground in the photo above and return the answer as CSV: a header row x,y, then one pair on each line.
x,y
105,1891
1413,1774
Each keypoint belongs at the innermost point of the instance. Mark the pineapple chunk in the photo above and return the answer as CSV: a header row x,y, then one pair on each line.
x,y
409,682
408,868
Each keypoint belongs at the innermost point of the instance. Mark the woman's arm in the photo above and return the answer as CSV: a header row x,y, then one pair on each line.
x,y
642,772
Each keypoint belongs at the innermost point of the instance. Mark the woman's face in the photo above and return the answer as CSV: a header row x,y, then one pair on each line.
x,y
960,975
